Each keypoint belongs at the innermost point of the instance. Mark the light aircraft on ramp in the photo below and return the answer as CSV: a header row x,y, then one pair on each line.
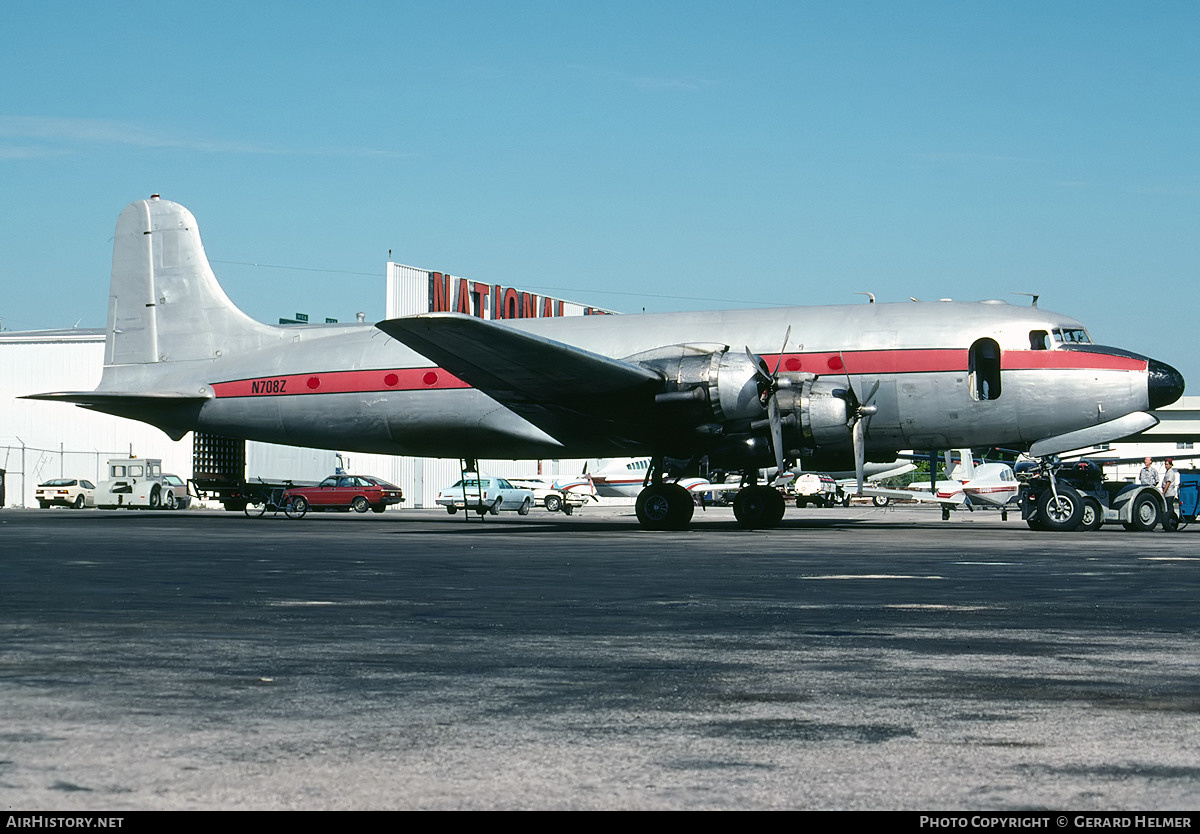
x,y
828,387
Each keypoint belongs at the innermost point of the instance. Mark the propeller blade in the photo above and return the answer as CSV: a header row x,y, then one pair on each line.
x,y
776,432
782,350
860,453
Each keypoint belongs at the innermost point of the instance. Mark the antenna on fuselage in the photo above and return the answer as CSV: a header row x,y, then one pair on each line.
x,y
869,295
1034,296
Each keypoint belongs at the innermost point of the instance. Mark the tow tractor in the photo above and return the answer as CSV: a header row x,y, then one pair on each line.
x,y
1062,496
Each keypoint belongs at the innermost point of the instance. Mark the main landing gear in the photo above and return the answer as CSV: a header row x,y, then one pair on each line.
x,y
667,506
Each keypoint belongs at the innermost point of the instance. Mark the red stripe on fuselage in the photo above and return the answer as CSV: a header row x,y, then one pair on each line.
x,y
341,382
934,360
940,360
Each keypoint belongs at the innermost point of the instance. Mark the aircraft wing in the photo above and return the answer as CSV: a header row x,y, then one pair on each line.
x,y
912,495
565,391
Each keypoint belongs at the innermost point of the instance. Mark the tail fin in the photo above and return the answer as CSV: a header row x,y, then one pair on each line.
x,y
165,304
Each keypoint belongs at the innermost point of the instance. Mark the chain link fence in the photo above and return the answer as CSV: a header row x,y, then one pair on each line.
x,y
23,467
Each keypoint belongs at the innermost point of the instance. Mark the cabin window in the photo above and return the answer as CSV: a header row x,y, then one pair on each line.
x,y
1039,340
984,365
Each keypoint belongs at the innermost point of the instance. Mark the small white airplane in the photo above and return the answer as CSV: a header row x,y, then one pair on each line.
x,y
971,485
857,383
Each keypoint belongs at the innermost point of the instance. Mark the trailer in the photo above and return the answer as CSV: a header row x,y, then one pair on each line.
x,y
219,474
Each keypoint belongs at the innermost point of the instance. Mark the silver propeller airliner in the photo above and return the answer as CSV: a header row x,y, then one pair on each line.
x,y
825,387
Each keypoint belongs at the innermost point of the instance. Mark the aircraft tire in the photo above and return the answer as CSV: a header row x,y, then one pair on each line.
x,y
1062,513
1093,515
553,503
1146,514
664,507
758,507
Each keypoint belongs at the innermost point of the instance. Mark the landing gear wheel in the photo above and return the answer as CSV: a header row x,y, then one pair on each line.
x,y
1145,514
360,504
1060,513
553,503
758,507
664,507
1093,515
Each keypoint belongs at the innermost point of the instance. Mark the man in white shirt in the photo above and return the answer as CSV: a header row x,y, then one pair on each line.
x,y
1148,475
1170,491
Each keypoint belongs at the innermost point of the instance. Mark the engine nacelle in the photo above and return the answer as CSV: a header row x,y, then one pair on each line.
x,y
710,394
823,408
720,387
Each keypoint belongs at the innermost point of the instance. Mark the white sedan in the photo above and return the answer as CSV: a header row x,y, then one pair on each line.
x,y
485,495
67,492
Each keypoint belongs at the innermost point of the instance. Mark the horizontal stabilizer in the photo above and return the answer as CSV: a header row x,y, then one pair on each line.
x,y
174,413
557,387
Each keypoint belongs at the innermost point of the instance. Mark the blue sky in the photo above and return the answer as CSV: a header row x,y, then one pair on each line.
x,y
630,155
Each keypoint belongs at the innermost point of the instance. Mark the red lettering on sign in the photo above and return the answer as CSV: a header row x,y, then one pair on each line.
x,y
464,297
528,305
512,303
441,292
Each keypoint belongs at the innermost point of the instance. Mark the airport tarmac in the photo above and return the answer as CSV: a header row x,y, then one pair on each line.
x,y
856,658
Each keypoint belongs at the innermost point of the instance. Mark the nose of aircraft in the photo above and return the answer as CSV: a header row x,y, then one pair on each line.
x,y
1165,384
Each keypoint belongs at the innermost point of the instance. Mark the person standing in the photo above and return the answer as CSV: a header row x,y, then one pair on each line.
x,y
1148,475
1170,491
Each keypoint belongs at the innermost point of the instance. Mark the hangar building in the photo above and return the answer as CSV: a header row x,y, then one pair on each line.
x,y
43,440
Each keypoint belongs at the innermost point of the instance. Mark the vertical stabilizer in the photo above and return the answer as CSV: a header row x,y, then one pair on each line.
x,y
165,304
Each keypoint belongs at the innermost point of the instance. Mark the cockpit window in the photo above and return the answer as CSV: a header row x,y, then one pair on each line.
x,y
1039,340
1071,336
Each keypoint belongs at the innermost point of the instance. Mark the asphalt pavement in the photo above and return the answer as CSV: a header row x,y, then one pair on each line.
x,y
856,658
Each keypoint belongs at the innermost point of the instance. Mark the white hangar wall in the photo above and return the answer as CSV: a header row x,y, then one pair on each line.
x,y
41,440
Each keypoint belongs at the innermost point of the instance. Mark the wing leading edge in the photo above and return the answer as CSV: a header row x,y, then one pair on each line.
x,y
568,392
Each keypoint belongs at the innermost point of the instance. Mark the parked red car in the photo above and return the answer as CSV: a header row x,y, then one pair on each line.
x,y
348,492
